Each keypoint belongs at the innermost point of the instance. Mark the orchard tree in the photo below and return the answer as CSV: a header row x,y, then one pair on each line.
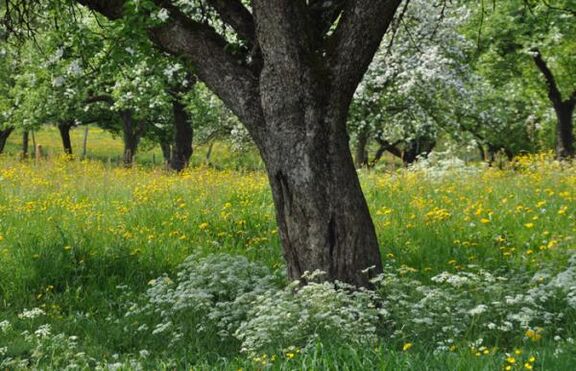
x,y
532,45
6,68
404,101
289,72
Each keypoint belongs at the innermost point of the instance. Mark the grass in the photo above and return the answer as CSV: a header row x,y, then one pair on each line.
x,y
75,234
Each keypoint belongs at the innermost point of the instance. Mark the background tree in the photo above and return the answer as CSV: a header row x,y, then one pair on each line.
x,y
529,46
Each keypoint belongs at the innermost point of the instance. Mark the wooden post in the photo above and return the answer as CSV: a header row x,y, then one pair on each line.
x,y
84,142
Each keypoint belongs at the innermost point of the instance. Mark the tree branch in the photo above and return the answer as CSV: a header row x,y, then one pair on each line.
x,y
553,92
224,73
356,40
235,14
99,98
112,9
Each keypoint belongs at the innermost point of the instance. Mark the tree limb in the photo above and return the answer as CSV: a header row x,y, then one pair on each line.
x,y
235,14
112,9
553,92
356,40
224,73
99,98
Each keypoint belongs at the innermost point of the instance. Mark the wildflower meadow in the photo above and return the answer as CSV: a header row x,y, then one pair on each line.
x,y
108,267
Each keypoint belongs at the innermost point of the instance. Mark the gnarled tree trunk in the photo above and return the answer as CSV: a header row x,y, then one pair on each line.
x,y
183,134
4,134
64,128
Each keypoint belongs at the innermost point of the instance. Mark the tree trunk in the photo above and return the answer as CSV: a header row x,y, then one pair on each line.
x,y
292,89
482,152
322,215
361,152
4,134
183,134
564,130
25,143
131,137
564,109
166,151
420,147
64,128
209,153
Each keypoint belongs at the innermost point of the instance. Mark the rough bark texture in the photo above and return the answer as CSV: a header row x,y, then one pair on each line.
x,y
564,110
64,128
4,134
292,91
131,135
183,134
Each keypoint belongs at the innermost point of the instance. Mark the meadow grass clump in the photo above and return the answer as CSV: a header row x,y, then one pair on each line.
x,y
107,267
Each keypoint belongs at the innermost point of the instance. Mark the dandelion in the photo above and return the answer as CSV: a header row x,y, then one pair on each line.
x,y
535,334
406,346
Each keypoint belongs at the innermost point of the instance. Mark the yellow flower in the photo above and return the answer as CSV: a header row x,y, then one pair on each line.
x,y
203,226
529,225
407,346
532,359
534,335
528,366
511,360
484,221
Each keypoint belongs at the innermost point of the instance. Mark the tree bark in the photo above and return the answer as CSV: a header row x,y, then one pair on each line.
x,y
183,134
4,134
131,136
64,128
324,222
